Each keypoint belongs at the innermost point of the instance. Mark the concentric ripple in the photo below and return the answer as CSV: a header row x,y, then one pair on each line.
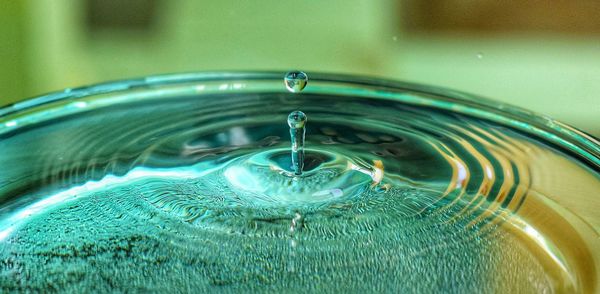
x,y
392,197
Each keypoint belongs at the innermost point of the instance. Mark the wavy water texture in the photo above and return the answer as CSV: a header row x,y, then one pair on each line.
x,y
200,195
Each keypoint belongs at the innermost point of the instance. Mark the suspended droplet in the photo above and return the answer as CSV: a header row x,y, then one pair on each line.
x,y
295,81
297,120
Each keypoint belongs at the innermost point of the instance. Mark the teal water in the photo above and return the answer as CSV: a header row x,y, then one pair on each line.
x,y
202,195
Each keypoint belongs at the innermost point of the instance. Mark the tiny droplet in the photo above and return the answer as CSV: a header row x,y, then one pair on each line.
x,y
295,81
479,55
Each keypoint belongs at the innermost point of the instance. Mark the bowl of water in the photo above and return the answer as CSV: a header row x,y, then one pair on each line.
x,y
292,182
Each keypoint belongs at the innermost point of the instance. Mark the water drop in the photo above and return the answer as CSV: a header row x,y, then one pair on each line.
x,y
297,120
295,81
479,55
394,38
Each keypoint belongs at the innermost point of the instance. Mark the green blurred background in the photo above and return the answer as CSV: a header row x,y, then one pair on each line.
x,y
543,55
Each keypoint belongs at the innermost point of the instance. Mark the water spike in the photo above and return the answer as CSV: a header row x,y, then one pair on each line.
x,y
297,120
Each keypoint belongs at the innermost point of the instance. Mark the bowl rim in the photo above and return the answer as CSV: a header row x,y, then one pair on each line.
x,y
577,142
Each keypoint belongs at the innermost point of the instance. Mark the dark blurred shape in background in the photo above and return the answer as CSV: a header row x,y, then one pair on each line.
x,y
508,16
124,15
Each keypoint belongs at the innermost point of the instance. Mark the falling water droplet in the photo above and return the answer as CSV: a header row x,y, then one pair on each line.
x,y
297,120
479,55
295,81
